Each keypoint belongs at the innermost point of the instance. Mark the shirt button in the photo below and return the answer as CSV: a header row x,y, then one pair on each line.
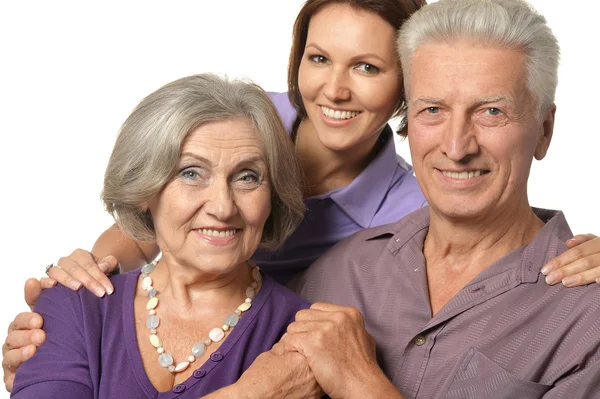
x,y
199,373
419,340
179,388
216,357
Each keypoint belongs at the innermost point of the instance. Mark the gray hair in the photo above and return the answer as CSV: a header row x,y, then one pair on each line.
x,y
510,23
148,147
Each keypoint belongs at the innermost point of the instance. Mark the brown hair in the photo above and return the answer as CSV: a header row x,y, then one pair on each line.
x,y
394,12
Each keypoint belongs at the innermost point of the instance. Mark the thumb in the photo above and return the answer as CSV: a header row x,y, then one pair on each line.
x,y
33,289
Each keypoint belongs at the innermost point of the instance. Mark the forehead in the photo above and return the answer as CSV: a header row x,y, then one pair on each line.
x,y
237,135
340,26
466,68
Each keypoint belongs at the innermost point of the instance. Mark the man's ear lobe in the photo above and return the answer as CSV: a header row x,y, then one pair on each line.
x,y
547,129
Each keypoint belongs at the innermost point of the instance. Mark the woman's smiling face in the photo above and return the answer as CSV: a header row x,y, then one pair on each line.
x,y
349,76
211,215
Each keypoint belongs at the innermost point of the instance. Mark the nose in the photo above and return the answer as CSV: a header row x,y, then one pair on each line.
x,y
337,86
220,203
460,139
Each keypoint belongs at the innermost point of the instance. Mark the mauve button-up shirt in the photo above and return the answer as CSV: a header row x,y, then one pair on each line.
x,y
384,192
507,334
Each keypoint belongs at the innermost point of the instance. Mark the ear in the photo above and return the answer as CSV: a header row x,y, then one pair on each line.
x,y
545,134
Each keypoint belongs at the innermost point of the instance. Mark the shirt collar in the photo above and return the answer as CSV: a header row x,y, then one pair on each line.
x,y
361,199
546,245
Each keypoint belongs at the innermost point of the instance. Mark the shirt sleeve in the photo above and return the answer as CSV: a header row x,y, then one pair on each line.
x,y
60,368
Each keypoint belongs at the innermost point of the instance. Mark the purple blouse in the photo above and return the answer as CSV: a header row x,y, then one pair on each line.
x,y
384,192
91,350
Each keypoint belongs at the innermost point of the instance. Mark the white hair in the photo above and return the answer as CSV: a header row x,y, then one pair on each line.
x,y
508,23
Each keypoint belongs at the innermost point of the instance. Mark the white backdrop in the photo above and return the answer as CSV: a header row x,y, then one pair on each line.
x,y
70,73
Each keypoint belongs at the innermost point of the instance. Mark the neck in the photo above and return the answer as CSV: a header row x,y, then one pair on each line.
x,y
187,291
473,245
326,169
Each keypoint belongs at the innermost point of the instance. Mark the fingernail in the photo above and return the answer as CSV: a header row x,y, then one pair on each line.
x,y
28,351
74,285
551,279
108,289
36,337
99,291
52,282
546,269
567,281
103,266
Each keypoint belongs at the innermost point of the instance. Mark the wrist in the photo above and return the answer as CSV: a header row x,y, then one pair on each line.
x,y
373,385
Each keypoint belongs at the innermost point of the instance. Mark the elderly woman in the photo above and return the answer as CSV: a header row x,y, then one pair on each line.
x,y
204,167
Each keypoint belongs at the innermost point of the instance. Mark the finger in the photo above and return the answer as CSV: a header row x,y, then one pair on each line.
x,y
294,342
14,358
310,326
48,282
33,289
579,239
9,381
571,255
63,277
26,321
82,266
582,271
18,339
108,264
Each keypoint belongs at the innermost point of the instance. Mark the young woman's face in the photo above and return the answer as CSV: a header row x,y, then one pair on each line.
x,y
349,76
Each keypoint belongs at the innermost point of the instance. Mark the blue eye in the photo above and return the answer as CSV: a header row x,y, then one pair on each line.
x,y
367,68
189,174
433,110
249,177
493,111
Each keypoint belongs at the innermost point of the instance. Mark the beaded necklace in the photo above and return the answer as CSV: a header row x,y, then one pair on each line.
x,y
215,335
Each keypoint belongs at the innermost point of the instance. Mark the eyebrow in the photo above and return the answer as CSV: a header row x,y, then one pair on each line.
x,y
353,59
251,160
478,102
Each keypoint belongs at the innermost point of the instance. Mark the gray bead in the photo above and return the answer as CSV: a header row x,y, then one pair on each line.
x,y
152,293
165,359
152,321
199,349
149,268
232,320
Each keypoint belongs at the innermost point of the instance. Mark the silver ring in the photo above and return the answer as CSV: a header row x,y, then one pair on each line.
x,y
50,266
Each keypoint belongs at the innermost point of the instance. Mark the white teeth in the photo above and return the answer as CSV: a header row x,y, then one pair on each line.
x,y
217,233
462,175
338,114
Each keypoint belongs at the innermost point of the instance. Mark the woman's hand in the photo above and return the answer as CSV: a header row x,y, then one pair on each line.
x,y
83,268
579,265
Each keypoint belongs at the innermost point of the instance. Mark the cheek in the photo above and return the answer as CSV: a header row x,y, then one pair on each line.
x,y
381,97
306,81
255,208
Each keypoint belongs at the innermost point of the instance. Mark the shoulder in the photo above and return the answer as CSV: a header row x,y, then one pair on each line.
x,y
286,110
283,297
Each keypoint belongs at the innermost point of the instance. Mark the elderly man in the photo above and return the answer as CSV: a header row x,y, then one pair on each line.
x,y
452,294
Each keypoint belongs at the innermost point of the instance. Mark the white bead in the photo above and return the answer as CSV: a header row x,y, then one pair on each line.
x,y
191,358
171,368
152,312
160,350
182,366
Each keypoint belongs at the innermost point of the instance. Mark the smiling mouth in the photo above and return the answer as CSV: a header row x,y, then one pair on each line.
x,y
217,233
464,175
337,114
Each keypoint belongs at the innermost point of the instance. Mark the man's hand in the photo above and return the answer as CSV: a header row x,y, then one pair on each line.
x,y
339,351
